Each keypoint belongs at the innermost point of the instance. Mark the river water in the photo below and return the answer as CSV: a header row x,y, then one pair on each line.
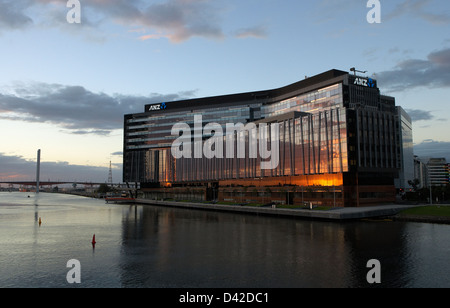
x,y
151,246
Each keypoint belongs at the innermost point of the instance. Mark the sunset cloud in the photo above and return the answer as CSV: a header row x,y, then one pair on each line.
x,y
176,20
152,37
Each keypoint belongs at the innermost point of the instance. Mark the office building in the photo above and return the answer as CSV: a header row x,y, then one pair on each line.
x,y
437,172
405,135
420,172
331,139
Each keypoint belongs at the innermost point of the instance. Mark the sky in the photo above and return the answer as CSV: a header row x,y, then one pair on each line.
x,y
65,87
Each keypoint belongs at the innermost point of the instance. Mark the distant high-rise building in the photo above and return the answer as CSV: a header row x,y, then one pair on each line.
x,y
437,171
448,173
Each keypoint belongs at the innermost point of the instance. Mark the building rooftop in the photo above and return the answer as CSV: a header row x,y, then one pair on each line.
x,y
306,85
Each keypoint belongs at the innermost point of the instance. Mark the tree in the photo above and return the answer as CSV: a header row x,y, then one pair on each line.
x,y
414,184
103,189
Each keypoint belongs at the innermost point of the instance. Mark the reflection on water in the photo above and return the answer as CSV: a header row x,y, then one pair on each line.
x,y
146,246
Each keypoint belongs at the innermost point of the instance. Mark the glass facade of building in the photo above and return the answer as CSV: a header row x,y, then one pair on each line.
x,y
327,128
407,168
312,141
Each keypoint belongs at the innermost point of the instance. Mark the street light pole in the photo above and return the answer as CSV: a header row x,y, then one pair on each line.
x,y
354,70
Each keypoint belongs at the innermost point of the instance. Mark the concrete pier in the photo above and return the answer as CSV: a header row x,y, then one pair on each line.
x,y
336,214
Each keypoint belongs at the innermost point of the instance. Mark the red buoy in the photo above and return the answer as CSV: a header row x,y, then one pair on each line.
x,y
93,240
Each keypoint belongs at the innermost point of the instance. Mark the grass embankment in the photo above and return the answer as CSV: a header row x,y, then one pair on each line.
x,y
429,210
428,213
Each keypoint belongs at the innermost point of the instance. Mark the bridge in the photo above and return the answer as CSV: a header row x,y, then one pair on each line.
x,y
52,183
26,184
37,183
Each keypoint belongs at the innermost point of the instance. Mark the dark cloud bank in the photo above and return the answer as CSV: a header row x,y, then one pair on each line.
x,y
432,148
74,108
16,168
433,72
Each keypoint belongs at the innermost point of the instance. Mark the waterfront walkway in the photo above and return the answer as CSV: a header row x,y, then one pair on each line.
x,y
337,214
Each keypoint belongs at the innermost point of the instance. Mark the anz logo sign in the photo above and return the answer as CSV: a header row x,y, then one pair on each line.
x,y
370,83
157,107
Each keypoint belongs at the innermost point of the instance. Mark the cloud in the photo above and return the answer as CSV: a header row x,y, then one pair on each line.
x,y
13,167
180,20
100,132
176,20
74,108
434,72
417,9
12,15
329,10
432,148
16,168
254,32
419,115
151,37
